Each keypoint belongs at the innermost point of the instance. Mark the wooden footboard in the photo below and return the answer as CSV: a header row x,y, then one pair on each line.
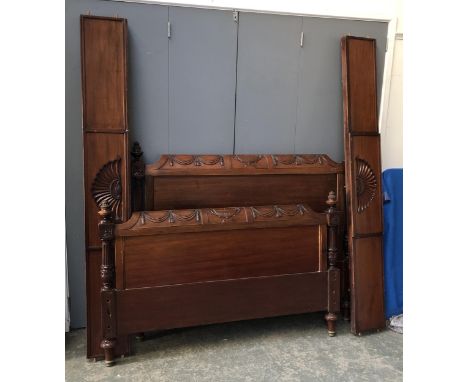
x,y
178,268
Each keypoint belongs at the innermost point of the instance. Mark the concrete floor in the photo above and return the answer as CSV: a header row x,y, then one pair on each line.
x,y
291,348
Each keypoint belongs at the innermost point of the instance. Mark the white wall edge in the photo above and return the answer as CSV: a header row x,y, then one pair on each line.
x,y
373,17
387,75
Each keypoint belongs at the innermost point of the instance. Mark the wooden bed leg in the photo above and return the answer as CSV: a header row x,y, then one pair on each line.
x,y
333,221
106,233
331,323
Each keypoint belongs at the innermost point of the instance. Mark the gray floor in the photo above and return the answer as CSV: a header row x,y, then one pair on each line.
x,y
292,348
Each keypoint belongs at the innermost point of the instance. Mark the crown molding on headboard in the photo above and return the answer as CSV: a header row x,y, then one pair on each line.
x,y
259,164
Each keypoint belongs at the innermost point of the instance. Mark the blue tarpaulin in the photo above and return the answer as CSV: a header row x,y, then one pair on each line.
x,y
393,240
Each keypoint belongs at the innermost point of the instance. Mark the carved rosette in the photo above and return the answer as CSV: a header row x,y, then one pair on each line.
x,y
107,186
366,184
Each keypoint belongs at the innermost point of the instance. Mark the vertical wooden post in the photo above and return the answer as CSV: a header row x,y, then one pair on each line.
x,y
106,233
346,289
333,221
138,179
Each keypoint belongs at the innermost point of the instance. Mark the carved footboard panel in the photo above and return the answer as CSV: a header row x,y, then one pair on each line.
x,y
178,268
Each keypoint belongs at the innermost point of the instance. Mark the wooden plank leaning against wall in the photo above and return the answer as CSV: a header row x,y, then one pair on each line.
x,y
105,142
363,183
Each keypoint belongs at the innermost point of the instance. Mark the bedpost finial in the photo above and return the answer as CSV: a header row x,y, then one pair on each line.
x,y
331,201
105,210
136,150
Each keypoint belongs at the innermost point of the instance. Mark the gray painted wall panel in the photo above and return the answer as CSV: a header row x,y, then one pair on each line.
x,y
202,78
320,109
267,75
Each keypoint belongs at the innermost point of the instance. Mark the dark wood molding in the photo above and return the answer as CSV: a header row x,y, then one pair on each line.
x,y
214,219
232,165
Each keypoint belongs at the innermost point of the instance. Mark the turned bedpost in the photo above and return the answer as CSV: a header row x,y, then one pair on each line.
x,y
333,220
106,233
138,178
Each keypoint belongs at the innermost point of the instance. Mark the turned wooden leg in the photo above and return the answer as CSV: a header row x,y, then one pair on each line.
x,y
108,346
331,323
108,323
333,220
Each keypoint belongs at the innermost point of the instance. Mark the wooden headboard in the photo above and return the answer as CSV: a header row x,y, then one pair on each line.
x,y
209,181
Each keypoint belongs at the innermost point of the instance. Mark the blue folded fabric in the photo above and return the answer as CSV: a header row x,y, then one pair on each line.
x,y
392,181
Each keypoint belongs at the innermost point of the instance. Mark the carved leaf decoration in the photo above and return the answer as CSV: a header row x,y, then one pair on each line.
x,y
171,216
248,162
107,186
366,184
225,213
277,211
298,160
197,160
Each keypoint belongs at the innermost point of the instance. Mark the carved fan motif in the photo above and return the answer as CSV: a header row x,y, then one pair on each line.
x,y
107,186
366,184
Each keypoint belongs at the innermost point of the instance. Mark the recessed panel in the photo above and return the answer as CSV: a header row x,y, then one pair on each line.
x,y
208,256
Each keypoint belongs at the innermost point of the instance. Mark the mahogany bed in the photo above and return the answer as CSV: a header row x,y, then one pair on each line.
x,y
218,239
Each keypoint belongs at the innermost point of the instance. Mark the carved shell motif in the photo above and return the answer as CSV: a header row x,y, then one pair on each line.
x,y
107,186
366,184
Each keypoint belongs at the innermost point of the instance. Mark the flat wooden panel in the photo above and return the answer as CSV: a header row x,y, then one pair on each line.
x,y
146,309
367,195
208,256
220,191
362,90
100,148
367,306
104,69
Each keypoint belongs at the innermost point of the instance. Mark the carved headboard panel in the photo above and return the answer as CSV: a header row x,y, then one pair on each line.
x,y
208,181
